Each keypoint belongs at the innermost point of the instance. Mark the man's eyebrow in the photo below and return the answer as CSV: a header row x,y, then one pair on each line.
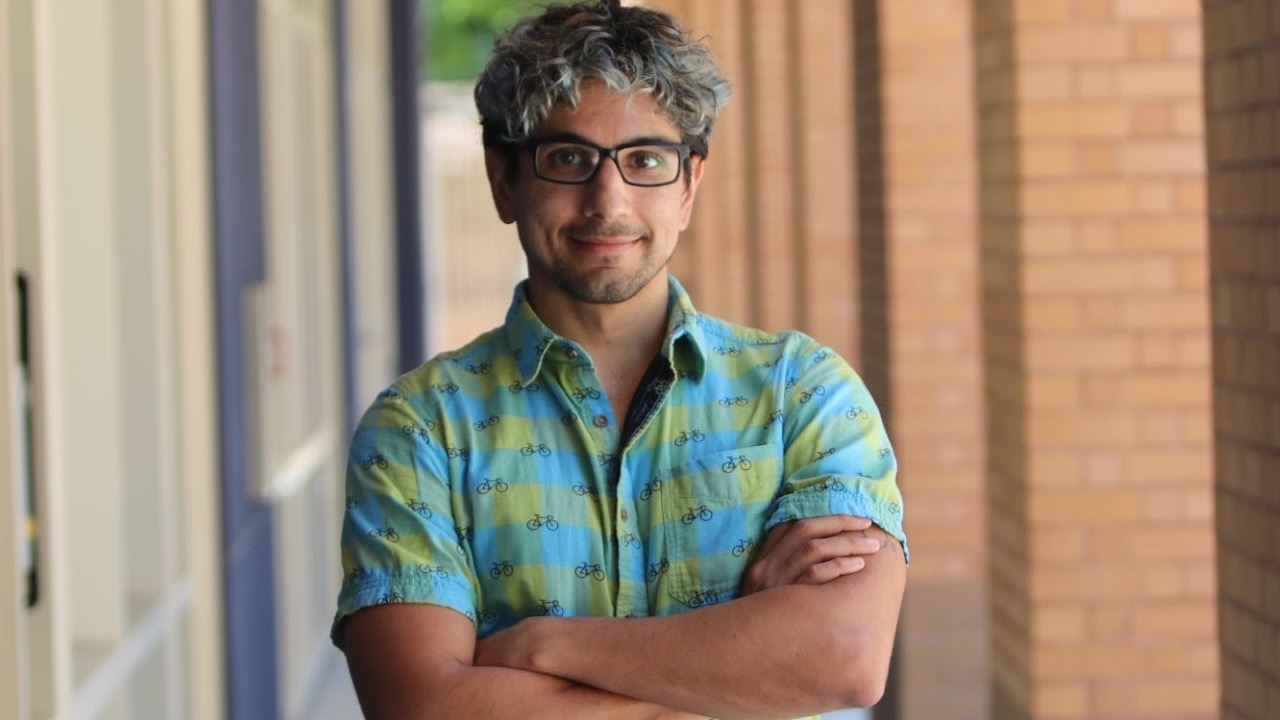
x,y
562,137
576,138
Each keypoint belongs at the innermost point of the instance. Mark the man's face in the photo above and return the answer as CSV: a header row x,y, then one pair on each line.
x,y
602,241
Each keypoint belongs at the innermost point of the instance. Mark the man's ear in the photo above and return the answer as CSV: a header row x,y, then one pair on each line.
x,y
696,166
497,165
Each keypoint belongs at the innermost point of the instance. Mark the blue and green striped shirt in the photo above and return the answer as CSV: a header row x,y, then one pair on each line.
x,y
491,479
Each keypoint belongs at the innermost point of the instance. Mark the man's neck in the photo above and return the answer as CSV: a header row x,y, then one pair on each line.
x,y
617,336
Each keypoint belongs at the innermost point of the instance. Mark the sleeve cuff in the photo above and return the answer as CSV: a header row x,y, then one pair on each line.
x,y
834,497
412,585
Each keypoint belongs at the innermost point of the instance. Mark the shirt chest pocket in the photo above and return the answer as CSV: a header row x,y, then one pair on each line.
x,y
712,513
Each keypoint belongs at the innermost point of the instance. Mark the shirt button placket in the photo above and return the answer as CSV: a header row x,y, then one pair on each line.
x,y
628,554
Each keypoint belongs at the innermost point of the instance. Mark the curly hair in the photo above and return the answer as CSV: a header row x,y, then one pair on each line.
x,y
543,60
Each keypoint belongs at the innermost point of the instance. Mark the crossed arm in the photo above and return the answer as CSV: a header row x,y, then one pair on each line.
x,y
813,632
413,662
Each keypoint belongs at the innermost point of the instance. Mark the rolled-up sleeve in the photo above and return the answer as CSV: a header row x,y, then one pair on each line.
x,y
400,538
838,458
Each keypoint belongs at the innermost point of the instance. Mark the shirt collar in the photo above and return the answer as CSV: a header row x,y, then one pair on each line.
x,y
684,346
530,339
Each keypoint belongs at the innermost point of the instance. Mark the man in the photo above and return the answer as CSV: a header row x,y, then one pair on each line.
x,y
614,506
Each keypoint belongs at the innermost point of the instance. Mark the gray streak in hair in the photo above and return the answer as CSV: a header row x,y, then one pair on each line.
x,y
544,59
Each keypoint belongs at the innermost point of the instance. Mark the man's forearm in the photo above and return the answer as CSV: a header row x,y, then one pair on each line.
x,y
748,658
482,693
786,652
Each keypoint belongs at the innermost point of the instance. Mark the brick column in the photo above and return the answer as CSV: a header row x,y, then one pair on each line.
x,y
1242,49
918,199
1094,264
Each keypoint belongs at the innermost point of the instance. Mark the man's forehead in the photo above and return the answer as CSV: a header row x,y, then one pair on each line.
x,y
595,95
601,109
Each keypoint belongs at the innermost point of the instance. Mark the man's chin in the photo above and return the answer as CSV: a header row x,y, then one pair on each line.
x,y
604,286
600,292
603,295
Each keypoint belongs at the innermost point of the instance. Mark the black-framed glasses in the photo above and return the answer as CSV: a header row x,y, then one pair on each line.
x,y
573,161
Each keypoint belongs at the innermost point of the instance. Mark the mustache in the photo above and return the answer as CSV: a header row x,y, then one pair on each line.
x,y
601,228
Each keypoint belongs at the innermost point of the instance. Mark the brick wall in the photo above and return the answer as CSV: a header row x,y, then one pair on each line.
x,y
1103,602
1092,265
1242,54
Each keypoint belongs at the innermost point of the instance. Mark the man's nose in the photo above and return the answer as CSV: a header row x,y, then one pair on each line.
x,y
607,191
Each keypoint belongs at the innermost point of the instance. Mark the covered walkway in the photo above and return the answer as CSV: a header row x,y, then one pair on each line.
x,y
1046,232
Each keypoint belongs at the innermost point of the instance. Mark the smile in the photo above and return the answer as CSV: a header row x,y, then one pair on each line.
x,y
604,244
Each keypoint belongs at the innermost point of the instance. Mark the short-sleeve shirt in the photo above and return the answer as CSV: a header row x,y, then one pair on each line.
x,y
491,479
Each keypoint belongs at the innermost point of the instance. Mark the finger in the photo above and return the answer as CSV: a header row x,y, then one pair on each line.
x,y
872,537
810,544
791,548
824,525
830,570
817,551
792,554
861,543
876,532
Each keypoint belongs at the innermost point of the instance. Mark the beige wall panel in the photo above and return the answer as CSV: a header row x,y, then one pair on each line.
x,y
48,658
197,436
13,641
87,321
368,105
140,149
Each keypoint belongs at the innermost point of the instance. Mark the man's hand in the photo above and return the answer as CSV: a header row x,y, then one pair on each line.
x,y
812,551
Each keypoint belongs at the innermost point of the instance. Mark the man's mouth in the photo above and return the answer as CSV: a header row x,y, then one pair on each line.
x,y
604,236
604,241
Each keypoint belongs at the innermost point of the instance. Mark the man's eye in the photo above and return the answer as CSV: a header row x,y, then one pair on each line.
x,y
568,156
647,160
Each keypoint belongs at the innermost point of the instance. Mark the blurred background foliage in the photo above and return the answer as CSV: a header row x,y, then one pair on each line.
x,y
459,34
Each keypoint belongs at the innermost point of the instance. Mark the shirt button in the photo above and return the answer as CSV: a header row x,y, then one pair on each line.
x,y
571,353
624,514
600,421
